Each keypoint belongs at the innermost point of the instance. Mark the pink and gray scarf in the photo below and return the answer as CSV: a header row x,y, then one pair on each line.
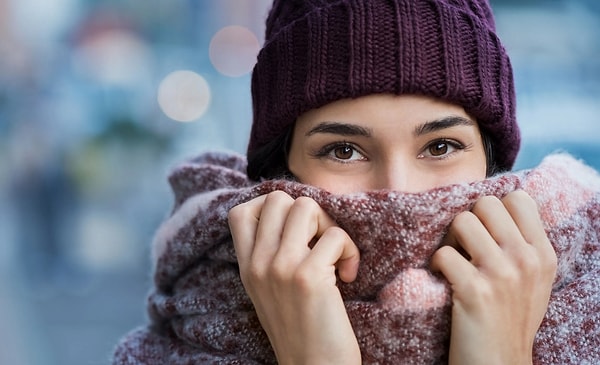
x,y
399,310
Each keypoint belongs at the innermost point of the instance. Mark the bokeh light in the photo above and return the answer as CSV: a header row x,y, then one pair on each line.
x,y
115,57
184,96
233,50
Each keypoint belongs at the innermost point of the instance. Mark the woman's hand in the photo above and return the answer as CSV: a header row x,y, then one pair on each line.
x,y
291,282
501,283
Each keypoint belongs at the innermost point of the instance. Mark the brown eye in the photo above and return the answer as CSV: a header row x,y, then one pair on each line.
x,y
438,149
343,152
441,148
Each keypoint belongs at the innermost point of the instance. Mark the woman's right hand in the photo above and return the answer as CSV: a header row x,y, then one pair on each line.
x,y
291,282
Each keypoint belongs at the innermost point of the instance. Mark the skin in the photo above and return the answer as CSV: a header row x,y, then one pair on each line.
x,y
404,143
496,257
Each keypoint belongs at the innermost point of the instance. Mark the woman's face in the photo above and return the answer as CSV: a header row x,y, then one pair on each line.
x,y
406,143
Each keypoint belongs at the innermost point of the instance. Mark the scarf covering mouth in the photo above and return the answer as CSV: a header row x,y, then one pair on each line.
x,y
399,310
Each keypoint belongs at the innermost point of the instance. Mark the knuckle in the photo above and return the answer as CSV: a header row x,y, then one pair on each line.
x,y
464,218
443,253
511,276
485,294
480,293
485,203
303,278
277,197
543,257
252,274
279,270
530,268
306,203
519,197
533,265
440,258
488,199
524,262
336,234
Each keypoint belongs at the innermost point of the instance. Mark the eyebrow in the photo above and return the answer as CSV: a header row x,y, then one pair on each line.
x,y
443,123
346,129
343,129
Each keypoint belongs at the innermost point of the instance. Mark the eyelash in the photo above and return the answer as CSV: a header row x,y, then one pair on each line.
x,y
326,151
450,142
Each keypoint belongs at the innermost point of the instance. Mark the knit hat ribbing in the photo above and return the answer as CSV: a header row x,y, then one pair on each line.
x,y
319,51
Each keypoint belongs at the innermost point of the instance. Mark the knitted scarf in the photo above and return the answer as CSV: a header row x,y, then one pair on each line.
x,y
400,311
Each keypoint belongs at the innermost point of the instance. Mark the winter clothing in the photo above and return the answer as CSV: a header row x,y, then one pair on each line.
x,y
399,310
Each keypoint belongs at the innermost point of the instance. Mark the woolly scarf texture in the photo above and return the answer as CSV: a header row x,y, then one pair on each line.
x,y
399,310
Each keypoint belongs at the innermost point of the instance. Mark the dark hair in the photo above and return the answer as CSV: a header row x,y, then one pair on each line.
x,y
270,160
492,167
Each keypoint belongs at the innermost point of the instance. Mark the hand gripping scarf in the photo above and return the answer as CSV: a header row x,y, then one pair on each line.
x,y
400,312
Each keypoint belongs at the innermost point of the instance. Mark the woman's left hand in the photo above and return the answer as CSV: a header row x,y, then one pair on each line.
x,y
501,282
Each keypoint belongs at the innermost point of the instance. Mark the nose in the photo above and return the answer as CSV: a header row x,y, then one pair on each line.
x,y
402,175
396,175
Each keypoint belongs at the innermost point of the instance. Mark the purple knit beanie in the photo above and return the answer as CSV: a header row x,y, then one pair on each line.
x,y
319,51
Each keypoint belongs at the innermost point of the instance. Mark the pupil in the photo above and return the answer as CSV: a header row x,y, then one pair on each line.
x,y
343,152
439,149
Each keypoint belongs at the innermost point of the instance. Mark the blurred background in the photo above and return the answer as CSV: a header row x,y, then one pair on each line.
x,y
100,98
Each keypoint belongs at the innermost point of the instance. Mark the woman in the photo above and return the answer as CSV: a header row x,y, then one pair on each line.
x,y
422,139
405,143
378,127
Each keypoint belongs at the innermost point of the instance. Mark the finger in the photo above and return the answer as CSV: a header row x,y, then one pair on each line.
x,y
524,212
271,224
454,266
336,248
468,233
243,222
498,221
305,222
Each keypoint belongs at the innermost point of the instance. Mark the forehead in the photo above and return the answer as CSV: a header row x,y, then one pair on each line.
x,y
383,111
